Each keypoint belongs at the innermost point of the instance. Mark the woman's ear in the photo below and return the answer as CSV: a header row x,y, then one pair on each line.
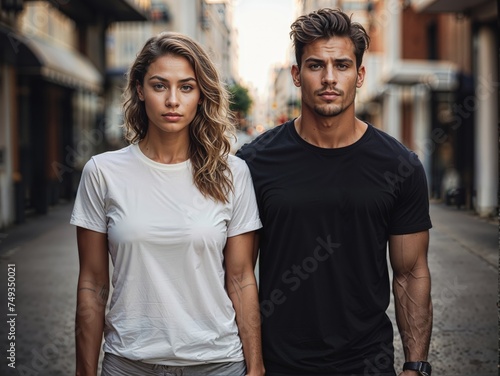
x,y
140,92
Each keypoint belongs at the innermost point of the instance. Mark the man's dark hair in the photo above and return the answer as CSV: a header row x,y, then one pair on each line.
x,y
327,23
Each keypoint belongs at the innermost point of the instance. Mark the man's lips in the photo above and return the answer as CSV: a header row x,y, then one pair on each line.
x,y
329,95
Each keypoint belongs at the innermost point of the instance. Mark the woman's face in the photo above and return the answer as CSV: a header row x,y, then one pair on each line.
x,y
171,94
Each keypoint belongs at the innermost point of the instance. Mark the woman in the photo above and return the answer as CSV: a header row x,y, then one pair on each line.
x,y
177,214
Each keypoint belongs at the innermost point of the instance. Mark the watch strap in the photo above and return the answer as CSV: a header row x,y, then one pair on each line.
x,y
424,368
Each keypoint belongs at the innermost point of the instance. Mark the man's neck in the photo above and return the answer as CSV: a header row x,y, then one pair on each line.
x,y
330,132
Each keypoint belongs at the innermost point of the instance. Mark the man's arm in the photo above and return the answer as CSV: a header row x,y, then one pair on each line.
x,y
412,288
242,290
92,296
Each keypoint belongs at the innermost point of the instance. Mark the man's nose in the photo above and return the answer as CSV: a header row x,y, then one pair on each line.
x,y
329,76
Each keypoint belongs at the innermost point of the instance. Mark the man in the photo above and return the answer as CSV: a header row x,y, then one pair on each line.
x,y
333,192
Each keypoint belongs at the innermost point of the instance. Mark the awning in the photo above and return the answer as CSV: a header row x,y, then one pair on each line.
x,y
113,10
63,66
13,50
437,75
446,5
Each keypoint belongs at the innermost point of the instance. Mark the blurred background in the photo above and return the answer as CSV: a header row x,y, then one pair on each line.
x,y
432,82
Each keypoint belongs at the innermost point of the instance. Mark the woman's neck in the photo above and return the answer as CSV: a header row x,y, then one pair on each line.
x,y
168,150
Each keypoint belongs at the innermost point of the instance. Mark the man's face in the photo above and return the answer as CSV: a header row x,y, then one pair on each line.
x,y
328,77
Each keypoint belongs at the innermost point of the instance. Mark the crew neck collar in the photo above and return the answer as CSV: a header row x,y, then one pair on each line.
x,y
157,165
341,150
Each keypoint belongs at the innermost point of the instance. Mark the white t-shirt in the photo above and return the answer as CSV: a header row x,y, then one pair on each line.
x,y
169,305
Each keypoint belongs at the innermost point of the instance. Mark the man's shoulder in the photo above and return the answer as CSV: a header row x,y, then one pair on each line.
x,y
389,142
391,154
264,141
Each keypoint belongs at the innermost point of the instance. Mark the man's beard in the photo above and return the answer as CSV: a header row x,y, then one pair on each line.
x,y
328,110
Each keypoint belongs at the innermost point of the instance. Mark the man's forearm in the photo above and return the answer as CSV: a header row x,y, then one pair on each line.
x,y
414,312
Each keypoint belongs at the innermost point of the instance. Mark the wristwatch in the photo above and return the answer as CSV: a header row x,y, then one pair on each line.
x,y
423,368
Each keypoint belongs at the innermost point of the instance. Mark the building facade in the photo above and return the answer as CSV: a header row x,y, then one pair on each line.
x,y
52,82
431,76
469,39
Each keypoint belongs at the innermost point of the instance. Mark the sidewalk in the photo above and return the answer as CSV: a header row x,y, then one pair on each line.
x,y
44,254
35,226
463,256
478,235
463,259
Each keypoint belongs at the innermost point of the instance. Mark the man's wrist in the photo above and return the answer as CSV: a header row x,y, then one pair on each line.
x,y
421,367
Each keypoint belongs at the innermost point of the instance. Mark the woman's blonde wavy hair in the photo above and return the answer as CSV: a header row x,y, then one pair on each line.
x,y
212,126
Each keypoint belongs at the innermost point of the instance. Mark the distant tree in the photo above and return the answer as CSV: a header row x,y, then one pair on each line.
x,y
240,100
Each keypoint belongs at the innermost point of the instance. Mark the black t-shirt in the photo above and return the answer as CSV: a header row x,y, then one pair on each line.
x,y
327,216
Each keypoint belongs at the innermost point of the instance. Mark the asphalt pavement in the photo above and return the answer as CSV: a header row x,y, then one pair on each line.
x,y
39,258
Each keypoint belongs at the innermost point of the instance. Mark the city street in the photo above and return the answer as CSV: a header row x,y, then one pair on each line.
x,y
40,257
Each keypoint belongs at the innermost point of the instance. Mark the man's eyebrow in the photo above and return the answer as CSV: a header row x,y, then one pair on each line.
x,y
344,60
339,60
162,79
313,60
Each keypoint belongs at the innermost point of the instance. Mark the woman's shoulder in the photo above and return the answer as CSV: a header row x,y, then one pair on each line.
x,y
114,154
236,163
110,159
238,166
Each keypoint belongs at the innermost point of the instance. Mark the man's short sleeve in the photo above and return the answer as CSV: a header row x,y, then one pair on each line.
x,y
411,213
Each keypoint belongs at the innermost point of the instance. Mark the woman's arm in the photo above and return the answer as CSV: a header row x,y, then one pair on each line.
x,y
412,293
92,297
242,290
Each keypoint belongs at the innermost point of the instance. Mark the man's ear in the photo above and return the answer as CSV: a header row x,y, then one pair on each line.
x,y
361,76
295,71
140,91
